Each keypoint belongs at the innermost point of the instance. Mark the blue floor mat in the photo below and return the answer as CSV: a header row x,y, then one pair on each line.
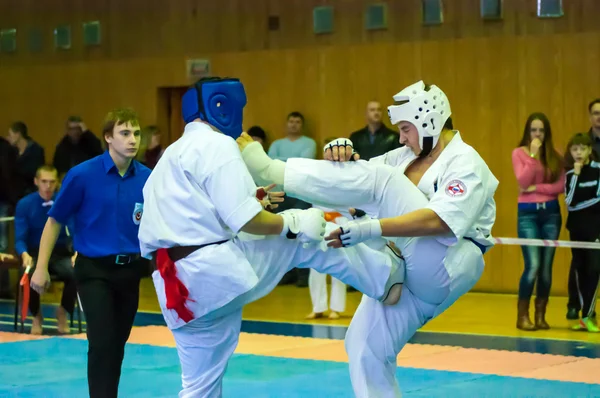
x,y
56,367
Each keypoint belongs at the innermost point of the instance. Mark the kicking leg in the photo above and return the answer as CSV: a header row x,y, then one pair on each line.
x,y
378,189
204,348
368,270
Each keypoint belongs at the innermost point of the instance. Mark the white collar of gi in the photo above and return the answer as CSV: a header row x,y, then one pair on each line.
x,y
199,126
196,126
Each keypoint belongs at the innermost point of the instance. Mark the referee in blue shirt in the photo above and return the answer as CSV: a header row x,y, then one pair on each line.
x,y
104,195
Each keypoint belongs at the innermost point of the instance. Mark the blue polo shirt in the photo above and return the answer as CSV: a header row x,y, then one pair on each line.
x,y
106,207
31,215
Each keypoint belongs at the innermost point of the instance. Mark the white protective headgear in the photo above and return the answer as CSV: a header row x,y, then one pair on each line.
x,y
427,110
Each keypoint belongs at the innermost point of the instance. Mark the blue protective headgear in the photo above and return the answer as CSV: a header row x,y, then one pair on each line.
x,y
217,101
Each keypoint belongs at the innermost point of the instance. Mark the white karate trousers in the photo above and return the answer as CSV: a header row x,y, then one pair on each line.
x,y
436,275
205,345
317,285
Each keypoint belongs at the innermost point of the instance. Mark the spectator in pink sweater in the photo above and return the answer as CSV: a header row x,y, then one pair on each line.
x,y
540,174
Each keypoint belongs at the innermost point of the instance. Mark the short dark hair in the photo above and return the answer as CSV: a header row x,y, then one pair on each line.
x,y
152,130
45,167
21,128
594,102
118,117
296,114
257,131
579,139
74,119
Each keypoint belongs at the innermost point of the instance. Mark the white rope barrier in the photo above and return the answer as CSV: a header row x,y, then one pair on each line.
x,y
505,241
547,243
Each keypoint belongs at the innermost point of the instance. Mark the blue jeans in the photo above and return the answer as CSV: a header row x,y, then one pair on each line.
x,y
542,223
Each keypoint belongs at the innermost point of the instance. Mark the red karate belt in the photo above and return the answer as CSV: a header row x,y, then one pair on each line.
x,y
176,292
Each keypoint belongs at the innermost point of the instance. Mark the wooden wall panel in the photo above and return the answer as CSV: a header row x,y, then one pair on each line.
x,y
495,73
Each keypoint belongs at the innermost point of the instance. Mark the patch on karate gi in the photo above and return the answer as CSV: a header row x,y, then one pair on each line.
x,y
138,210
456,188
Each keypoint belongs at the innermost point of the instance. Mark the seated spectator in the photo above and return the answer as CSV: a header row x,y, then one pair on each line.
x,y
30,218
30,157
5,256
78,145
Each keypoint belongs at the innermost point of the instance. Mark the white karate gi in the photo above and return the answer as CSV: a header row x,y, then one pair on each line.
x,y
459,188
201,192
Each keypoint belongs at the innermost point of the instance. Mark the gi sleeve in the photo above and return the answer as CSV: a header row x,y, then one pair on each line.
x,y
232,190
69,198
461,195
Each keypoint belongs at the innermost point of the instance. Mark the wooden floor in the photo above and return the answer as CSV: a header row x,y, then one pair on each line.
x,y
477,313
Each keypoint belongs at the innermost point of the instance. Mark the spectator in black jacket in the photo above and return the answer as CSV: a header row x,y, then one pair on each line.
x,y
30,158
583,203
78,145
8,199
375,138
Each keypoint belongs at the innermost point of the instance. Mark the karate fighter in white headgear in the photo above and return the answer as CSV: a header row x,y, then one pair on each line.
x,y
434,198
200,208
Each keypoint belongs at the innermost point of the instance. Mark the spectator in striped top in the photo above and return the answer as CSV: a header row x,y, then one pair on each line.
x,y
582,195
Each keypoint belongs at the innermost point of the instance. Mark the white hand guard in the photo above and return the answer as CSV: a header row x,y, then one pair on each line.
x,y
340,142
357,231
307,226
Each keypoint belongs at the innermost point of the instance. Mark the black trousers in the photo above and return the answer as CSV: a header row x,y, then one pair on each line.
x,y
586,263
109,296
61,268
574,301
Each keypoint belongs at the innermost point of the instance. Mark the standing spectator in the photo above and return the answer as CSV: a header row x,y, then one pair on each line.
x,y
258,134
541,178
375,138
317,282
594,110
30,157
8,199
150,147
294,145
78,145
574,303
582,196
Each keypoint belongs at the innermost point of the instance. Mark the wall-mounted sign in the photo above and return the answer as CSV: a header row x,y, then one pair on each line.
x,y
198,68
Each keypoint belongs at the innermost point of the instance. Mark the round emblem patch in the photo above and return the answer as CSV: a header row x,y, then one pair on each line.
x,y
456,188
138,211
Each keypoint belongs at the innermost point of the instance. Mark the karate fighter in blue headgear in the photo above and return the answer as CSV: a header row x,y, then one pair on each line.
x,y
216,249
